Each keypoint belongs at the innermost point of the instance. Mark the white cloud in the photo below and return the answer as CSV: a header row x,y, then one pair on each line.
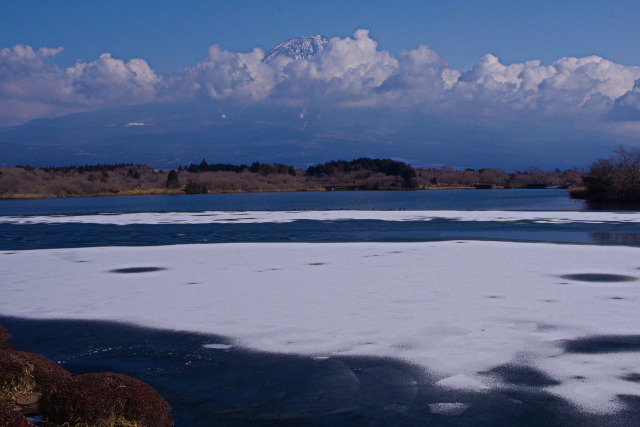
x,y
422,81
345,72
31,87
355,62
224,74
569,88
108,79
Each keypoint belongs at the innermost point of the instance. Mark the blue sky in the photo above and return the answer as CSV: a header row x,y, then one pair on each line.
x,y
171,34
515,80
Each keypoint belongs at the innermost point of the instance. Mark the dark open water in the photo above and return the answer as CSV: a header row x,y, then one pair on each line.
x,y
238,387
45,236
242,388
511,200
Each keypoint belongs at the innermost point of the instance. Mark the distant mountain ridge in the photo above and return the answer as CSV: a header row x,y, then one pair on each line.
x,y
298,48
235,131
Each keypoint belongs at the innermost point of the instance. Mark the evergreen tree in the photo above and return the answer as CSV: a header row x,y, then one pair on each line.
x,y
172,180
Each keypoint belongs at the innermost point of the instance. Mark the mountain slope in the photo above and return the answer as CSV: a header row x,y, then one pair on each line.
x,y
298,48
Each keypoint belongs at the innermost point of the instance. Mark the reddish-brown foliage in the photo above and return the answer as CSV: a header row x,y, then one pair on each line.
x,y
26,372
19,182
15,375
47,374
4,336
106,399
11,418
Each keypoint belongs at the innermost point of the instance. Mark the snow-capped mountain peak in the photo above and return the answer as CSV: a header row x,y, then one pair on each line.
x,y
298,48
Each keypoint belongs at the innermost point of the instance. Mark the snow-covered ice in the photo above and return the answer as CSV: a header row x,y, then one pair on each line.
x,y
246,217
449,409
218,346
457,308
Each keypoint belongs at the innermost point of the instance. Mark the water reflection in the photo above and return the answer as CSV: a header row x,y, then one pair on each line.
x,y
627,239
612,206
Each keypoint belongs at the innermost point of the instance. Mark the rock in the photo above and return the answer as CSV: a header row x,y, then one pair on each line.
x,y
27,399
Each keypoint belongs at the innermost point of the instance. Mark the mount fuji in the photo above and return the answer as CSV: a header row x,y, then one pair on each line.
x,y
170,133
298,48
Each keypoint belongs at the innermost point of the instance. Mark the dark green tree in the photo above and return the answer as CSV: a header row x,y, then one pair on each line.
x,y
409,178
195,188
172,180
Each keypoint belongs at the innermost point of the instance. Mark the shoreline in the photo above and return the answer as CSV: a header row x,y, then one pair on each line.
x,y
172,192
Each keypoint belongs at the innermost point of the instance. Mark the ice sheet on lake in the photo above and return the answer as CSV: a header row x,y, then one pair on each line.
x,y
458,309
218,346
247,217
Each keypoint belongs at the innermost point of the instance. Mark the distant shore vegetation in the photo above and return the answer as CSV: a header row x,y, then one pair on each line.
x,y
200,178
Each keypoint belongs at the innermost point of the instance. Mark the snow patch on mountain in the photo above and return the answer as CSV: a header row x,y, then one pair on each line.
x,y
298,48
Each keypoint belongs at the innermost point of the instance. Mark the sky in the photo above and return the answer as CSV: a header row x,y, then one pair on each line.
x,y
497,73
172,35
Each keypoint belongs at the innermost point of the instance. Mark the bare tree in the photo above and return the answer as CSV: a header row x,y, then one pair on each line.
x,y
615,179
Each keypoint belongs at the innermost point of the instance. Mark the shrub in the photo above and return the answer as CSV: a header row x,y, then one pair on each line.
x,y
22,372
16,375
11,418
4,336
47,374
106,399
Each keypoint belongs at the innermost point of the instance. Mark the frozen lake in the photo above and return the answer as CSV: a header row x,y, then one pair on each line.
x,y
432,315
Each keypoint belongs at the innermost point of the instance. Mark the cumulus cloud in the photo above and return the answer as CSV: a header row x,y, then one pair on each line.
x,y
354,64
31,87
422,81
345,72
224,74
568,88
348,72
107,79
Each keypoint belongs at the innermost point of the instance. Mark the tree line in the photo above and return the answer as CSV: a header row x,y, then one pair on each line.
x,y
256,167
359,174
